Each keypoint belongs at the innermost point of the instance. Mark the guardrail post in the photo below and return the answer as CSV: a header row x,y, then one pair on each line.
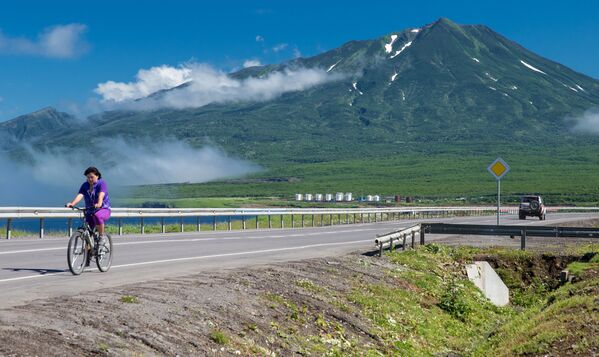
x,y
413,239
330,219
143,227
70,226
391,244
162,227
229,223
181,223
282,223
380,249
322,220
403,245
303,221
120,226
198,223
41,228
312,220
213,223
292,221
8,228
269,221
523,239
422,235
339,218
243,222
257,224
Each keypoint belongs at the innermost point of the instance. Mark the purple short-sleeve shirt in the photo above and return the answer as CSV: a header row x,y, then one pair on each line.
x,y
91,196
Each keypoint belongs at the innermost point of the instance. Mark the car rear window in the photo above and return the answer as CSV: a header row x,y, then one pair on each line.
x,y
529,199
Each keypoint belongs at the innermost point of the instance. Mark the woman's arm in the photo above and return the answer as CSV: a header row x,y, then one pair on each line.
x,y
75,200
100,200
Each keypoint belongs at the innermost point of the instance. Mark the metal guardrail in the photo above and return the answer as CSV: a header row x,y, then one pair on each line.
x,y
386,240
349,215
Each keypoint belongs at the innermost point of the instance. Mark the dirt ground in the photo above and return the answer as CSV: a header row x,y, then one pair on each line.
x,y
190,316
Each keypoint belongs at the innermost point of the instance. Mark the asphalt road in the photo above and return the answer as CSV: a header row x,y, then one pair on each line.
x,y
33,269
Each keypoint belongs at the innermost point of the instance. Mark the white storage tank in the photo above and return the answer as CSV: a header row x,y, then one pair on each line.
x,y
369,198
348,196
377,198
339,197
308,196
328,197
299,197
318,197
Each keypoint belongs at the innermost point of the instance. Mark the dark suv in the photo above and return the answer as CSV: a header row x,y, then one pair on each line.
x,y
532,206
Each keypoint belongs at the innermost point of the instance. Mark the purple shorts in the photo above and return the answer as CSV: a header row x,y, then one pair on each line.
x,y
98,218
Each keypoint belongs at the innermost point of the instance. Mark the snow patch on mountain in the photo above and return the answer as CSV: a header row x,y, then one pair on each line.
x,y
401,50
491,77
355,84
532,68
415,30
333,66
393,76
579,87
389,46
475,59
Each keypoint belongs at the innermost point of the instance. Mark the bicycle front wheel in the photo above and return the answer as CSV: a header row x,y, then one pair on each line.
x,y
104,255
77,253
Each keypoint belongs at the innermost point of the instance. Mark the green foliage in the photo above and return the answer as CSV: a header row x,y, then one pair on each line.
x,y
219,337
454,302
129,299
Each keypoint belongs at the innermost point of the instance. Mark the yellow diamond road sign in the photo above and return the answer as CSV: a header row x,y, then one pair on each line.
x,y
498,168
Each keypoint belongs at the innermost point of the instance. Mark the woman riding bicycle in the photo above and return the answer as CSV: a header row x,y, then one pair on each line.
x,y
95,192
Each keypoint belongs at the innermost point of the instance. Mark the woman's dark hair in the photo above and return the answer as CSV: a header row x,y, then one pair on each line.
x,y
92,170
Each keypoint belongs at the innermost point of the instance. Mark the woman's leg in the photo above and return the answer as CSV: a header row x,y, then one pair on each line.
x,y
101,217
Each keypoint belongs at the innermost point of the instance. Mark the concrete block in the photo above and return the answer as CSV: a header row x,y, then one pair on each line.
x,y
487,280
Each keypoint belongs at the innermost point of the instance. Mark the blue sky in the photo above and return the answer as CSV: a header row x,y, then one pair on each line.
x,y
56,53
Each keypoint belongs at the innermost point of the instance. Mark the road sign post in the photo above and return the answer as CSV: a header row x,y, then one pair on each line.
x,y
498,169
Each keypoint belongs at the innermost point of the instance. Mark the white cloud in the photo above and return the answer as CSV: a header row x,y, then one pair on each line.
x,y
587,123
58,173
280,47
251,63
61,41
259,38
206,85
147,82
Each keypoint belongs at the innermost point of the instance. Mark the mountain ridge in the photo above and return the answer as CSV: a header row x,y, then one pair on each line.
x,y
442,83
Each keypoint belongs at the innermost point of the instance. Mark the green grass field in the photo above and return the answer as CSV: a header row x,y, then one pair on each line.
x,y
569,176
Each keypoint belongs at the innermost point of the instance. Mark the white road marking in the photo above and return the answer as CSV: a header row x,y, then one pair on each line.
x,y
203,257
206,239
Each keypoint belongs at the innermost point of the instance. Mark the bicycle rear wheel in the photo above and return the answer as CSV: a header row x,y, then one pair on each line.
x,y
104,255
77,253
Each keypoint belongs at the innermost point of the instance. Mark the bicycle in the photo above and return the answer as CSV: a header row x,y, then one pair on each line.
x,y
82,247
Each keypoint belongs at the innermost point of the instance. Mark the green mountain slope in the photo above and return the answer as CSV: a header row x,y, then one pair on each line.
x,y
441,89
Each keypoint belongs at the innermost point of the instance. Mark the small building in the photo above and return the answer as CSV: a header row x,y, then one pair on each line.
x,y
348,196
369,198
376,198
308,196
328,197
318,197
299,197
339,197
